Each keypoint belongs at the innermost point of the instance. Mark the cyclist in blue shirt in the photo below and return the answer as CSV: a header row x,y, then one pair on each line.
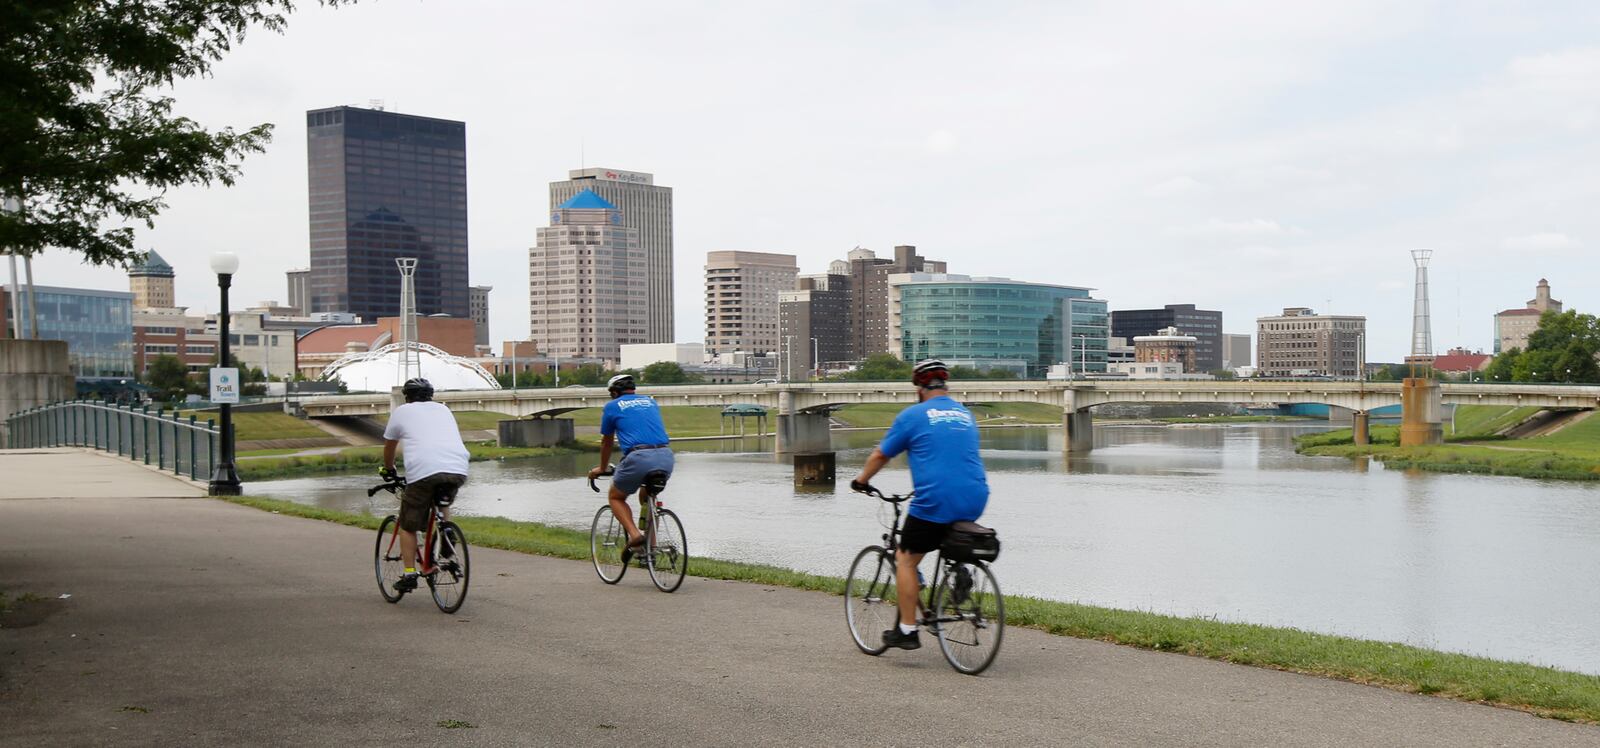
x,y
940,437
632,422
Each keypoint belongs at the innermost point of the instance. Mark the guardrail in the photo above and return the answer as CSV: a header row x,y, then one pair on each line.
x,y
185,446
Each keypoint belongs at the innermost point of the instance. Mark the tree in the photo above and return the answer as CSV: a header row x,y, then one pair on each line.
x,y
666,372
87,145
167,376
1223,374
1562,349
879,367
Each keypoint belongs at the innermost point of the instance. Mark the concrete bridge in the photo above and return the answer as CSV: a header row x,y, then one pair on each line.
x,y
803,427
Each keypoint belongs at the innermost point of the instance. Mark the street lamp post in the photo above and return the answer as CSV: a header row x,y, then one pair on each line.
x,y
816,366
224,479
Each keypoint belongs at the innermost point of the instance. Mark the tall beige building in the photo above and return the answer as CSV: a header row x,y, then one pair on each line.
x,y
742,291
1513,326
586,282
646,207
151,281
1301,342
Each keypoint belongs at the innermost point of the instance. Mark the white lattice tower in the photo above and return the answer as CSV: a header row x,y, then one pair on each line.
x,y
1421,321
410,362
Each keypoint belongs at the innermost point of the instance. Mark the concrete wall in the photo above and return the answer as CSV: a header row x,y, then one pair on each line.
x,y
32,373
536,432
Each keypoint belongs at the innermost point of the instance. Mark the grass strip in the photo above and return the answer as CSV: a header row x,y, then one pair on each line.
x,y
368,458
1544,691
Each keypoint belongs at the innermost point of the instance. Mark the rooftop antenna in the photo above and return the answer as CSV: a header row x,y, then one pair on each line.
x,y
410,359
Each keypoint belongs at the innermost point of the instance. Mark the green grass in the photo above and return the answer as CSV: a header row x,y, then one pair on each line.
x,y
1541,690
1578,439
269,452
881,415
1570,454
249,427
1487,420
367,459
681,420
1234,419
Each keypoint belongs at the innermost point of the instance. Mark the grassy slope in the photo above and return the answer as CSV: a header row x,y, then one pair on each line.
x,y
259,426
368,458
1570,454
881,415
1541,690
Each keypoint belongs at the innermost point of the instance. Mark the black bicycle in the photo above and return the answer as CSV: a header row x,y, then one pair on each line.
x,y
666,551
441,558
962,606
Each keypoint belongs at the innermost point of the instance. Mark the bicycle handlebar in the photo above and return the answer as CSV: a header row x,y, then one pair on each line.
x,y
392,486
610,470
869,490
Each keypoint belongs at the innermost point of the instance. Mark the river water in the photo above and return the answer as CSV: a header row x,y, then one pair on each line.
x,y
1217,521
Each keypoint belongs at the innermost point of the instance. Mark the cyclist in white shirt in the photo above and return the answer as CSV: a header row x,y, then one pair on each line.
x,y
436,462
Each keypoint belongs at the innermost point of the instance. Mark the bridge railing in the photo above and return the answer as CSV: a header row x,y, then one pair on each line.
x,y
185,446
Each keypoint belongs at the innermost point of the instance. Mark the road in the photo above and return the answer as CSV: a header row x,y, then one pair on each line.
x,y
197,622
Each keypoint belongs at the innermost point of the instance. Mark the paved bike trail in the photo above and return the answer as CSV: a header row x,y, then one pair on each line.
x,y
193,621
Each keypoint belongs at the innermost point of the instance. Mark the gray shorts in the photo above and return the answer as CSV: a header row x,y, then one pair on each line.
x,y
639,463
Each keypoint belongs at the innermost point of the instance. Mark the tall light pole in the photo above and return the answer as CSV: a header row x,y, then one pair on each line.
x,y
816,366
224,479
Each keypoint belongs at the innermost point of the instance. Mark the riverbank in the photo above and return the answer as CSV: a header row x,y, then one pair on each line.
x,y
1544,691
1476,447
367,459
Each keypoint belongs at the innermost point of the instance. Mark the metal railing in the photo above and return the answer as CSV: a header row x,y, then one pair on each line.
x,y
185,446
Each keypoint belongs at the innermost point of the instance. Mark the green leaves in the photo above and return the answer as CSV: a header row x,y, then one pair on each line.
x,y
85,144
1563,349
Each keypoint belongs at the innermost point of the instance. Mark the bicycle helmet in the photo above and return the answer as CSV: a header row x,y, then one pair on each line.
x,y
930,375
417,389
619,384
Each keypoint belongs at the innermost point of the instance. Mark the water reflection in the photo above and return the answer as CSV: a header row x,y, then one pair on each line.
x,y
1222,521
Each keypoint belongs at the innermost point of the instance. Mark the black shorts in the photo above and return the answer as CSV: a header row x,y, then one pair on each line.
x,y
416,503
921,536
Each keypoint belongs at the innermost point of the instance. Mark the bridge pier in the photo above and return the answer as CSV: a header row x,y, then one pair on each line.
x,y
1362,434
1080,431
1421,412
802,432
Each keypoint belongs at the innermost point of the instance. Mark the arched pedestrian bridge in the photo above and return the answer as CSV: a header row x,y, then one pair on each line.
x,y
798,405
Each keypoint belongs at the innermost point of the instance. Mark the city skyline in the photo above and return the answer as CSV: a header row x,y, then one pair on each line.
x,y
1279,173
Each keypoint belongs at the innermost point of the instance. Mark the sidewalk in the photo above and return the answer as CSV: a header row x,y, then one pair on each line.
x,y
198,622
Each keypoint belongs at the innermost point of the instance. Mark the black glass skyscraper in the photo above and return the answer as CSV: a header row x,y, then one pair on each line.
x,y
386,185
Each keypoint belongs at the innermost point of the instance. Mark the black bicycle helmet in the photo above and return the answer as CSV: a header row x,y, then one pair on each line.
x,y
417,390
930,375
619,384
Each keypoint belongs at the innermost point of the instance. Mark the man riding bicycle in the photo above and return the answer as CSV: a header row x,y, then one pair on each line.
x,y
941,437
633,422
436,462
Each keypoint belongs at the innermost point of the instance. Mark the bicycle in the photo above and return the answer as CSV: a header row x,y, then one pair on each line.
x,y
442,558
963,607
666,550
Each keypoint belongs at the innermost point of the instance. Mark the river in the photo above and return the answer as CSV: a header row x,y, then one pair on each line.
x,y
1221,521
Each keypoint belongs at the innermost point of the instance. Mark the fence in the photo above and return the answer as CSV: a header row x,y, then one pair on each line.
x,y
183,445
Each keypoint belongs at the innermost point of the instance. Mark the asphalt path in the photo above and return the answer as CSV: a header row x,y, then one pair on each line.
x,y
196,622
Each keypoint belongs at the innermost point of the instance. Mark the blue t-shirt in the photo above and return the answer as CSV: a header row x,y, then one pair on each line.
x,y
941,437
635,420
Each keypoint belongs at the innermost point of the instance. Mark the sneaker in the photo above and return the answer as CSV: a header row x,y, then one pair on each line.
x,y
407,583
893,638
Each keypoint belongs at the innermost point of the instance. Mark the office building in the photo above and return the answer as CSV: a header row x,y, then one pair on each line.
x,y
480,313
816,315
1167,346
151,282
299,291
742,300
172,332
1513,326
997,323
1236,351
384,186
1205,325
645,207
1302,343
97,325
587,278
869,295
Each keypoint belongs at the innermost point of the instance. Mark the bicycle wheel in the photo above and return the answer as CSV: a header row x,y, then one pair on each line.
x,y
667,551
869,599
386,559
450,568
969,617
606,541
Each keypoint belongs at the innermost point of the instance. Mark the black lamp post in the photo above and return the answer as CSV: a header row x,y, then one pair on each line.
x,y
224,479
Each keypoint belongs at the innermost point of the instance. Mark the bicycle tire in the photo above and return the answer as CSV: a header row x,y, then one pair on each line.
x,y
607,539
386,559
971,643
667,562
452,568
870,606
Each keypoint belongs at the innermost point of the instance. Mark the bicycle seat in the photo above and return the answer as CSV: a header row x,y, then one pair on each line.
x,y
656,480
444,494
971,528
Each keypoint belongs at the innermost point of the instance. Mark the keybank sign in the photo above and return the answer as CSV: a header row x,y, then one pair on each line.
x,y
631,177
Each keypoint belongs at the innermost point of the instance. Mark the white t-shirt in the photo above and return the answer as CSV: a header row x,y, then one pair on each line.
x,y
429,440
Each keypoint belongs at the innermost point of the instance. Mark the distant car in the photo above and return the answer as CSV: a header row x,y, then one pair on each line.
x,y
766,381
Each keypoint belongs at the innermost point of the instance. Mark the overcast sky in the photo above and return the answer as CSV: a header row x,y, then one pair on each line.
x,y
1242,156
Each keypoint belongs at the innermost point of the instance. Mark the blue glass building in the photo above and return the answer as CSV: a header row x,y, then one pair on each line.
x,y
997,323
97,325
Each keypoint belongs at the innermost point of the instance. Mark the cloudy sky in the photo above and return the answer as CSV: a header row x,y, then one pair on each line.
x,y
1243,156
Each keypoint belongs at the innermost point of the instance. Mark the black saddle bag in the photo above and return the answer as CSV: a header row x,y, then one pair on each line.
x,y
970,541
